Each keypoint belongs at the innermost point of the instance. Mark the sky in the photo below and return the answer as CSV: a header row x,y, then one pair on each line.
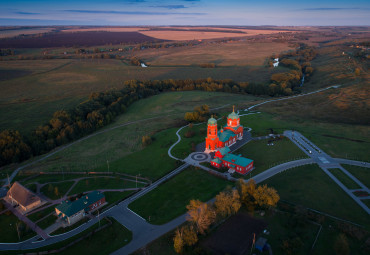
x,y
185,12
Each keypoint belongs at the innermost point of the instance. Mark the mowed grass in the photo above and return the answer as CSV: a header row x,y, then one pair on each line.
x,y
336,139
169,199
8,229
266,156
361,173
56,190
344,179
103,183
309,186
116,235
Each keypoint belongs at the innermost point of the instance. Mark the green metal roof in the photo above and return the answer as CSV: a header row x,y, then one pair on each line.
x,y
224,136
237,160
233,116
217,160
70,208
224,150
212,121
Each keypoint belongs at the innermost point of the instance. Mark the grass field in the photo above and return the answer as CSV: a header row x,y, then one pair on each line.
x,y
122,148
343,178
361,173
8,229
39,215
48,221
30,100
266,156
56,190
169,200
102,183
309,186
116,235
338,140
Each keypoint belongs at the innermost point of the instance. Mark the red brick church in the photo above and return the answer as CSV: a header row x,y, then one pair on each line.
x,y
220,141
227,136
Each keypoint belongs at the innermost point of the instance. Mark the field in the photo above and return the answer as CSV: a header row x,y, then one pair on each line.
x,y
337,139
169,200
72,39
310,187
126,153
266,156
361,173
343,178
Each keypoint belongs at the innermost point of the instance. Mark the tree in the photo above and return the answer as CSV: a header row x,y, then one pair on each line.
x,y
265,196
227,203
178,242
189,235
56,191
246,191
200,214
341,246
146,140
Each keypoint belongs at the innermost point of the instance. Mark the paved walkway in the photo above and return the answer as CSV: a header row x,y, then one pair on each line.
x,y
326,162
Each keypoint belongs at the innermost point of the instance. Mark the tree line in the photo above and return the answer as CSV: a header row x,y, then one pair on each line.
x,y
299,61
201,216
101,108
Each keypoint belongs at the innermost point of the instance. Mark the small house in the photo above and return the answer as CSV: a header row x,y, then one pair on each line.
x,y
23,197
73,211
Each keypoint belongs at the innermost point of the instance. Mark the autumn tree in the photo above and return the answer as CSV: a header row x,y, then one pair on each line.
x,y
246,191
178,241
201,215
227,203
56,191
265,196
189,235
146,140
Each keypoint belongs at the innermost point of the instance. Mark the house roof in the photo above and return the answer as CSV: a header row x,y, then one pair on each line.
x,y
217,160
237,160
223,151
70,208
225,136
22,195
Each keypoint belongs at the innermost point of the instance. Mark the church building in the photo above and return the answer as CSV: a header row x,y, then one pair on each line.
x,y
220,141
227,136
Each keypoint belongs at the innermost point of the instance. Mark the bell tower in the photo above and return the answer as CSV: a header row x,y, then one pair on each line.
x,y
212,137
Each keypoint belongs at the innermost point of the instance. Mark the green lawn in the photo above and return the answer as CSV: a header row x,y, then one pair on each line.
x,y
169,200
336,139
56,190
309,186
116,235
32,187
48,221
112,196
46,178
266,156
8,229
343,178
103,183
361,173
184,147
39,215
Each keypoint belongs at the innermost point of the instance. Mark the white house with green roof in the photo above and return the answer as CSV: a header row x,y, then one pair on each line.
x,y
73,211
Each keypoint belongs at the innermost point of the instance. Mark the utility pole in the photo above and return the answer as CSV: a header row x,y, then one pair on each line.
x,y
108,165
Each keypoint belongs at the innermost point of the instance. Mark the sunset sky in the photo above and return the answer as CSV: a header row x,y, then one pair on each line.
x,y
185,12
